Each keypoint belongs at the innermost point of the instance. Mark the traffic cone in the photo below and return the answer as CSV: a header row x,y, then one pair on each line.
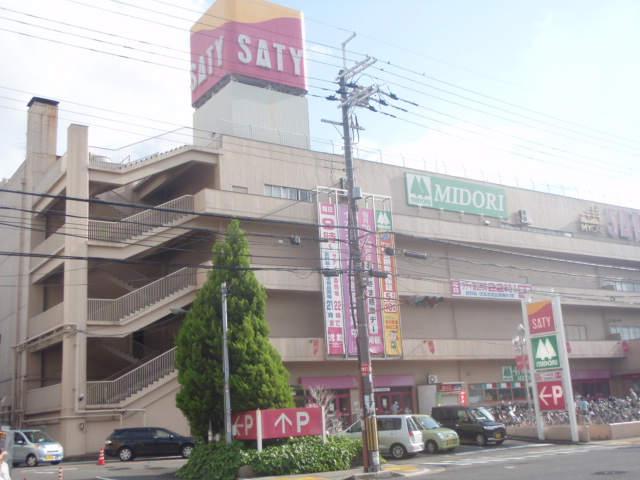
x,y
101,457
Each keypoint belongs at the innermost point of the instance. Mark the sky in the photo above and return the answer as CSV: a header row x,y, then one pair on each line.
x,y
539,94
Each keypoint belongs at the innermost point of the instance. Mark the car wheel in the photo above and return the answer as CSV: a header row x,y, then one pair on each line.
x,y
32,461
431,447
56,462
125,454
398,451
481,440
186,450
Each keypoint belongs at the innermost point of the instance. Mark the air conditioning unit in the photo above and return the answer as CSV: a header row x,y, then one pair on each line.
x,y
525,217
432,379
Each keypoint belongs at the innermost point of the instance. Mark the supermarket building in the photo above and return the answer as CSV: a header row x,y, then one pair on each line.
x,y
101,243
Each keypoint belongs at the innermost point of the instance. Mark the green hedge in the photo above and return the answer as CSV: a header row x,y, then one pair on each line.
x,y
219,461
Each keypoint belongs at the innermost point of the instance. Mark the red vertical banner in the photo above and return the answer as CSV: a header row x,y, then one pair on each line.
x,y
331,285
388,286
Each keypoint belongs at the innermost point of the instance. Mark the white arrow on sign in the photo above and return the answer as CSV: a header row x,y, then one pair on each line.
x,y
556,393
282,419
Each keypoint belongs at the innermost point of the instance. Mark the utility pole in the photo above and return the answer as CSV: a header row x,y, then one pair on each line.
x,y
225,367
369,423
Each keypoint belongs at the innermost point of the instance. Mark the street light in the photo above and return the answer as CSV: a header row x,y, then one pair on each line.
x,y
225,364
520,341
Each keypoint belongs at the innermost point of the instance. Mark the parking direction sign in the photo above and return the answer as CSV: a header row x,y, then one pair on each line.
x,y
545,352
551,395
244,426
277,423
291,422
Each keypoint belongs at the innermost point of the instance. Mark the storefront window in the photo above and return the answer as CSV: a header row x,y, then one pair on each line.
x,y
491,392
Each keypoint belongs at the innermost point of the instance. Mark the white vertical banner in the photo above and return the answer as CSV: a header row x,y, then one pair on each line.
x,y
331,285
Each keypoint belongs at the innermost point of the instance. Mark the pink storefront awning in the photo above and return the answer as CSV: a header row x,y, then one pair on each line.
x,y
347,382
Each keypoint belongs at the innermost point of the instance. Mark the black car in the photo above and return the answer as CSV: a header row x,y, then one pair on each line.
x,y
472,424
129,443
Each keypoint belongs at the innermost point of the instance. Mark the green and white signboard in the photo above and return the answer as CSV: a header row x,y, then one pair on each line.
x,y
510,373
455,196
545,352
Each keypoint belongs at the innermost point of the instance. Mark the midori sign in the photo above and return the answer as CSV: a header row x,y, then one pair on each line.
x,y
455,196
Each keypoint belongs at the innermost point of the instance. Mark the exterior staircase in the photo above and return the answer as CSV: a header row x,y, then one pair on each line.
x,y
148,221
116,311
113,392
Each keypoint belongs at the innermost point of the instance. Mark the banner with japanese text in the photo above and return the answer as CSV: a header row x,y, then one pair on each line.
x,y
388,286
369,249
331,285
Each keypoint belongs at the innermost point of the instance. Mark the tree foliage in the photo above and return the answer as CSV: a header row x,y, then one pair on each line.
x,y
257,377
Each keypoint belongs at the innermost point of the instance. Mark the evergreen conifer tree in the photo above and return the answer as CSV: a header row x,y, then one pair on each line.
x,y
257,377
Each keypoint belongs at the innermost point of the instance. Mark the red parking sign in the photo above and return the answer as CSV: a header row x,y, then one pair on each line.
x,y
277,423
551,395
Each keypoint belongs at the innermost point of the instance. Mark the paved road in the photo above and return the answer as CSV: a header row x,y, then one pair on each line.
x,y
465,460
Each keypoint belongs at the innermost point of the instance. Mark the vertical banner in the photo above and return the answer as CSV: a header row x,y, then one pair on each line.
x,y
331,286
388,286
347,282
369,248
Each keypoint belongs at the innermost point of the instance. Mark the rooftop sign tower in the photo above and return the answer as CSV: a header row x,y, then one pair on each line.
x,y
248,72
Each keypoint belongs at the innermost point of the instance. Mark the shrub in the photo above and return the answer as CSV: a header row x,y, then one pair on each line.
x,y
308,455
213,461
219,461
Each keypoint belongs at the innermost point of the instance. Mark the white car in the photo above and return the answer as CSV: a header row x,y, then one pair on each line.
x,y
33,446
398,435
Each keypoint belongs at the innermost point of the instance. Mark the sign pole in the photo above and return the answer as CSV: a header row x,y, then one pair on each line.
x,y
566,372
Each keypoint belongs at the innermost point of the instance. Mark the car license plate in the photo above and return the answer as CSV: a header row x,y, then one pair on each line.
x,y
451,442
498,435
49,457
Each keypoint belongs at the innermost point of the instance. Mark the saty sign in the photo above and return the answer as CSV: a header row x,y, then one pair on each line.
x,y
540,316
277,423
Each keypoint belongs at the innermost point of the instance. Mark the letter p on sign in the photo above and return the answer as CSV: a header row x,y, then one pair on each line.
x,y
556,393
302,419
248,423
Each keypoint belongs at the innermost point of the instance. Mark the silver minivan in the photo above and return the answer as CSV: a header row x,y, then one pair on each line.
x,y
398,435
33,446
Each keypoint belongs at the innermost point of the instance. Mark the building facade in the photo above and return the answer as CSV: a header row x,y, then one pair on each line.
x,y
99,244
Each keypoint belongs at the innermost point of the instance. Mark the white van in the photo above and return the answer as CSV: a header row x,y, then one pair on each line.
x,y
33,446
398,435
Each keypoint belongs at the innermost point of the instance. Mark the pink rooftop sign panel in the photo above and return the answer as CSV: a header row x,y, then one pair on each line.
x,y
257,39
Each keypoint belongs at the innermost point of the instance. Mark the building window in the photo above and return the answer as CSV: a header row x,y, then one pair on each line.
x,y
480,393
290,193
627,333
575,332
623,286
